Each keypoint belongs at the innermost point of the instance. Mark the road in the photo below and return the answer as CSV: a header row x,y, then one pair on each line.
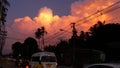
x,y
7,63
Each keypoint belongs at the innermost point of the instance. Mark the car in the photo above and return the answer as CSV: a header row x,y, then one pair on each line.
x,y
48,59
103,65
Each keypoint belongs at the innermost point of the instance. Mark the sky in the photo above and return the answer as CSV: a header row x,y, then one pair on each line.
x,y
25,16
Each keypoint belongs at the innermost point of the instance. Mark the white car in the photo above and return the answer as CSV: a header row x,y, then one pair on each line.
x,y
48,59
103,65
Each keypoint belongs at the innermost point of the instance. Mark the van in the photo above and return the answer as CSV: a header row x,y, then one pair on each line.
x,y
48,59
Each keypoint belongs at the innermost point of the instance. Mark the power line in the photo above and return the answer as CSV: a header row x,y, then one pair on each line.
x,y
96,13
99,15
83,19
14,38
56,34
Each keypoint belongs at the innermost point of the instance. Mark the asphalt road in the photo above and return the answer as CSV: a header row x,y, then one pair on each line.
x,y
7,63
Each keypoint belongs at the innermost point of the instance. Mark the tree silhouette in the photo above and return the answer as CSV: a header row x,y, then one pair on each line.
x,y
50,48
43,33
26,49
40,34
61,47
16,48
105,37
95,36
29,47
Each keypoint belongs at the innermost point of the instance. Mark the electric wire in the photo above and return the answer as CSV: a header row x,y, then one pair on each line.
x,y
97,13
57,34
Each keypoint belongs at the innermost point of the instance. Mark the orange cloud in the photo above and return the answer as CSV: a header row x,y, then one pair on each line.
x,y
92,7
53,23
45,16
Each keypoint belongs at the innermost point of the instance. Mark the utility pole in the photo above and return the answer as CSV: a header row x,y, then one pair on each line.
x,y
74,31
73,40
3,33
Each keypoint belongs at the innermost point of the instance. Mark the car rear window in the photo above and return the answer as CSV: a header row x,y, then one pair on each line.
x,y
36,58
48,59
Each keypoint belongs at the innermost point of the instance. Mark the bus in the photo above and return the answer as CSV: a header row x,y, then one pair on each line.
x,y
48,59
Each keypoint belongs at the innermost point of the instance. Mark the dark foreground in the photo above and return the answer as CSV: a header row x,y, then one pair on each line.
x,y
9,63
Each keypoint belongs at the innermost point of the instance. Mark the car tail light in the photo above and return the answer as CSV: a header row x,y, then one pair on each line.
x,y
27,66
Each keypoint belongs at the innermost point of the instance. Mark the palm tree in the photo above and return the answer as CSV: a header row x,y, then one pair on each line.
x,y
43,33
40,34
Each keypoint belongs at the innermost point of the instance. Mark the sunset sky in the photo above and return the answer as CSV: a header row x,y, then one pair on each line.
x,y
25,16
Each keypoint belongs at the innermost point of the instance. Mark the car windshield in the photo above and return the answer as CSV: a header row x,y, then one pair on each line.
x,y
48,59
100,66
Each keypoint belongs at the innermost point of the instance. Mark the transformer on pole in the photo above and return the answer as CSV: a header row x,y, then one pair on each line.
x,y
74,31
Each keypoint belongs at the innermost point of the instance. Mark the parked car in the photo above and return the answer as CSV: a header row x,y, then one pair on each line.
x,y
103,65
